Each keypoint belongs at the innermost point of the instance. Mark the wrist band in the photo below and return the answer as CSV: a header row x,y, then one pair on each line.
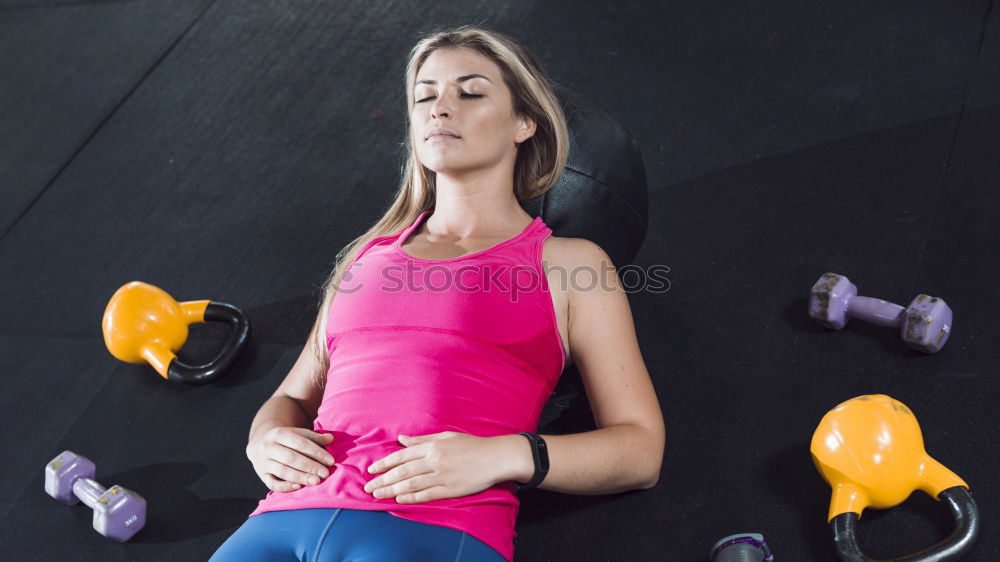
x,y
540,454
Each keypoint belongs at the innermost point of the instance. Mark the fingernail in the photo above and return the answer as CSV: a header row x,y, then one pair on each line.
x,y
313,480
323,473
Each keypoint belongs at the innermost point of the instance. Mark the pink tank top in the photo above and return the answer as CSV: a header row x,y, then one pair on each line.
x,y
467,344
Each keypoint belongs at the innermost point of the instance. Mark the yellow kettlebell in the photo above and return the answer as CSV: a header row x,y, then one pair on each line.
x,y
871,452
142,323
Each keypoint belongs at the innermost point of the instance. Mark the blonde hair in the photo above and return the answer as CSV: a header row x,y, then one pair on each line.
x,y
539,163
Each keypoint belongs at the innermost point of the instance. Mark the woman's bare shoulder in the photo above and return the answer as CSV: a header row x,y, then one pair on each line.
x,y
568,252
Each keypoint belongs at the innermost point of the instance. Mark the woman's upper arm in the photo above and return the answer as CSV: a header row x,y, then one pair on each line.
x,y
603,342
301,381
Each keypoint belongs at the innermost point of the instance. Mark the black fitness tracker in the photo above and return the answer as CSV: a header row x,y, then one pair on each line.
x,y
540,453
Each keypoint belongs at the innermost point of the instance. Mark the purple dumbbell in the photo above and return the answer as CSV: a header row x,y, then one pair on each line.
x,y
119,512
924,325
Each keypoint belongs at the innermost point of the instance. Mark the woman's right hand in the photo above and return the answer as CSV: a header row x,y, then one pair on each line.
x,y
286,458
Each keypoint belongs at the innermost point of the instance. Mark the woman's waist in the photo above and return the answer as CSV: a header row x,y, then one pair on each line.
x,y
353,454
377,432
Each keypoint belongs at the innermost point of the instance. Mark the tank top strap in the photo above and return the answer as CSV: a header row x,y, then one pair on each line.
x,y
538,232
405,233
539,229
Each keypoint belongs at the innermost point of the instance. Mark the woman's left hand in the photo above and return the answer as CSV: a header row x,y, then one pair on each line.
x,y
437,466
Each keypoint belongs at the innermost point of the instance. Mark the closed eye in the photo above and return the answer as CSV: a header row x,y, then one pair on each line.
x,y
464,95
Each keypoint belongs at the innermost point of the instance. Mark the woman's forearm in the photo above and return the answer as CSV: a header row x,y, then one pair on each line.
x,y
280,411
603,461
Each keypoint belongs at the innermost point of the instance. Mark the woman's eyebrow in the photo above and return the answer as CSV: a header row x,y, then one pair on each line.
x,y
460,79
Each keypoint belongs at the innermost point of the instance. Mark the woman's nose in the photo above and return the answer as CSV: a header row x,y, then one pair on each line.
x,y
440,107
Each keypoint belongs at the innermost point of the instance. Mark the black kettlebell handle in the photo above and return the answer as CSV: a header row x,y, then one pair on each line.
x,y
963,510
214,369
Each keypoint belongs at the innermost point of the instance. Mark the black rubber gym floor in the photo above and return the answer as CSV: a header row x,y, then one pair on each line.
x,y
226,150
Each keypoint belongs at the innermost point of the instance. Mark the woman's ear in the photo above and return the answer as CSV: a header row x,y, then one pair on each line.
x,y
525,130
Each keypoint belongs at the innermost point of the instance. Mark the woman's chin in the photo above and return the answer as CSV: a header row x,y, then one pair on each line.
x,y
446,166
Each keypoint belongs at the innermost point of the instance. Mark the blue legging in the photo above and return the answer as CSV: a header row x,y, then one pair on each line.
x,y
337,534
